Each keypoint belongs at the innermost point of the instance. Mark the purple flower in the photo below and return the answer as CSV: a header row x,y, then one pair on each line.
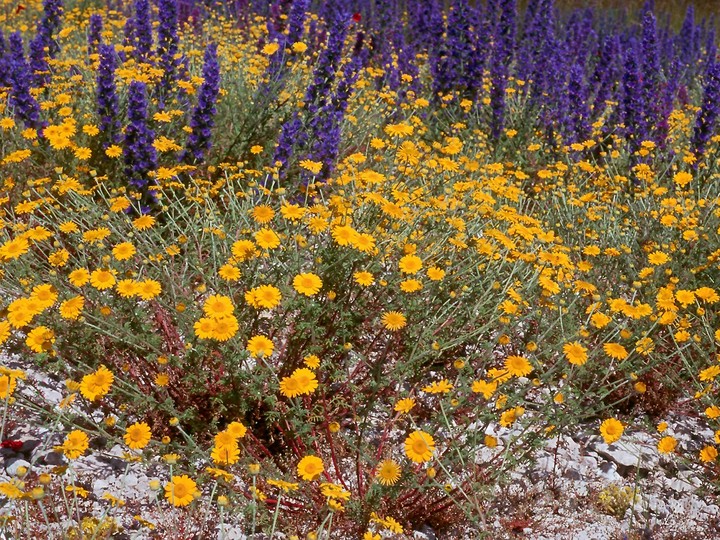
x,y
504,42
39,68
106,97
4,62
25,106
139,154
203,116
632,103
50,24
142,26
706,120
94,33
167,45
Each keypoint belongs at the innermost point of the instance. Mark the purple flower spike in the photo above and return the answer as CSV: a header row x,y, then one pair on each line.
x,y
142,31
139,154
94,33
168,45
203,116
107,98
709,111
25,106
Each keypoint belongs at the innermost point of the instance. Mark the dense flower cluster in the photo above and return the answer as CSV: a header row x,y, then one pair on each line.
x,y
322,270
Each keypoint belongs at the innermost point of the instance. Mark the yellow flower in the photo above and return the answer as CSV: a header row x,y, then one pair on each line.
x,y
435,273
260,346
657,258
137,436
282,484
487,389
611,430
127,288
7,386
75,444
419,446
438,387
236,429
95,385
264,296
404,405
4,331
708,374
149,289
59,258
270,49
180,491
575,353
518,366
124,251
364,279
113,151
308,284
267,239
310,468
12,489
40,339
225,455
143,222
708,454
218,306
224,328
600,320
685,297
72,307
312,361
410,285
262,213
245,249
410,264
205,328
102,279
302,381
12,249
615,350
79,277
394,320
228,272
682,178
667,445
313,166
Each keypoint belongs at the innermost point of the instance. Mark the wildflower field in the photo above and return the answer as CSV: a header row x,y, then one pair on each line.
x,y
339,269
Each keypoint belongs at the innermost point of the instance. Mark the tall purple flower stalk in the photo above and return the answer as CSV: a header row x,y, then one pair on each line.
x,y
139,155
203,116
317,92
50,24
651,73
167,45
142,35
39,67
632,103
94,33
706,120
504,39
326,139
579,110
4,62
106,97
26,108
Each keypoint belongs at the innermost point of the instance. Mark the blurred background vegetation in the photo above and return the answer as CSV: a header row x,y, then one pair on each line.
x,y
675,8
